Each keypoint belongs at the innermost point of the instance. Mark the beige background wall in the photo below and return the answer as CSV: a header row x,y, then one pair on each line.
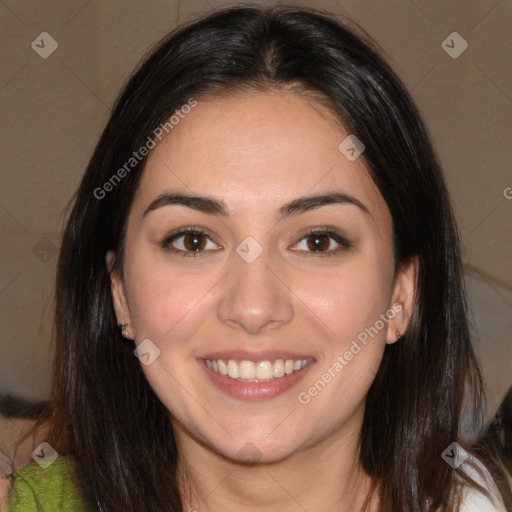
x,y
53,110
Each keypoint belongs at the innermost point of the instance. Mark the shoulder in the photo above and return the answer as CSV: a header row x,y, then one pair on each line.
x,y
474,500
50,488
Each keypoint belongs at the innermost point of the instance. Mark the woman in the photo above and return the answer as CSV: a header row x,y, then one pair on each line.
x,y
259,300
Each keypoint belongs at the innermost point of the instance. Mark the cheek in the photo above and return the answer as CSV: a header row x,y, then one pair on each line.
x,y
158,295
348,300
168,308
350,305
165,303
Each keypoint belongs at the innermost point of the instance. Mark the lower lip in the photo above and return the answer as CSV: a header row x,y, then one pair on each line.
x,y
255,390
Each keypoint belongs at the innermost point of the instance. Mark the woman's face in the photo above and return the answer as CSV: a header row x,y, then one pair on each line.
x,y
260,291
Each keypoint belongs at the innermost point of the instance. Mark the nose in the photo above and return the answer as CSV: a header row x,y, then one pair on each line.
x,y
255,296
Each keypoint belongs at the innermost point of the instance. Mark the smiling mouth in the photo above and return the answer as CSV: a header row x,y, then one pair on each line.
x,y
256,371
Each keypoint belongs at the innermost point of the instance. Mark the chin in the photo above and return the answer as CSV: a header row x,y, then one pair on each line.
x,y
253,451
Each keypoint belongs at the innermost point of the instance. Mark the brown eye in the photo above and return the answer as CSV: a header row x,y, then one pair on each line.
x,y
319,242
188,242
194,241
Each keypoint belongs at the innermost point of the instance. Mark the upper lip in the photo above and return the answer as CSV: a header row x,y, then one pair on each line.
x,y
265,355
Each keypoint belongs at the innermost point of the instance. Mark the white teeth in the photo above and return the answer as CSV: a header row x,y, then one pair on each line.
x,y
279,368
249,371
233,369
264,370
223,368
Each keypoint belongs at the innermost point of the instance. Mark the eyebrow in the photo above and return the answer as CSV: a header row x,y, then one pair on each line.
x,y
215,206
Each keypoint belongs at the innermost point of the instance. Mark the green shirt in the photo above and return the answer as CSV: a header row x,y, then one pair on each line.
x,y
35,489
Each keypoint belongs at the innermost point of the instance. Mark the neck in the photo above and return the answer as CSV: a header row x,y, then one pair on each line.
x,y
325,476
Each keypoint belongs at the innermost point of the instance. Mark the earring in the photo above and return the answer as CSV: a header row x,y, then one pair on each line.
x,y
123,330
398,334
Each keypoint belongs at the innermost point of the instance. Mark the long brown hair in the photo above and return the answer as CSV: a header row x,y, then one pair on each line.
x,y
105,415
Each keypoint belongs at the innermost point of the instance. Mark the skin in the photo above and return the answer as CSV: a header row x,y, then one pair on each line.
x,y
258,152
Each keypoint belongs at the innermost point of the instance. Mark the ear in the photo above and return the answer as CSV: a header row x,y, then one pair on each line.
x,y
118,295
403,298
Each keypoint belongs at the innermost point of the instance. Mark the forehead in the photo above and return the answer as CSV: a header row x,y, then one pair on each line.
x,y
274,146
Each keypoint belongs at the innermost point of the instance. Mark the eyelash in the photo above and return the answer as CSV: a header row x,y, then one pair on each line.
x,y
344,244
